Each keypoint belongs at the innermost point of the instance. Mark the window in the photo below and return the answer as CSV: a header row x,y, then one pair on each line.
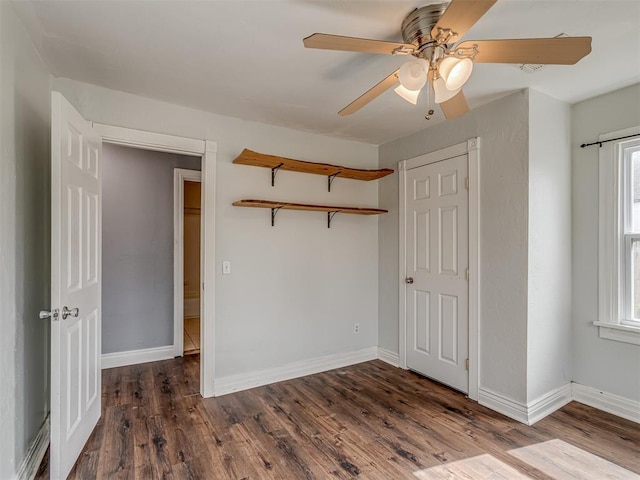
x,y
619,241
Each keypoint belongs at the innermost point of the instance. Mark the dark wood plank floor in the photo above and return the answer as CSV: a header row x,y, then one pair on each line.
x,y
369,421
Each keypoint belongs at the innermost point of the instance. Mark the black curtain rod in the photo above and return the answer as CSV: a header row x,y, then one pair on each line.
x,y
610,140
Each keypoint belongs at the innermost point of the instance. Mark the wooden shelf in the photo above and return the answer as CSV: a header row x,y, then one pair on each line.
x,y
249,157
329,209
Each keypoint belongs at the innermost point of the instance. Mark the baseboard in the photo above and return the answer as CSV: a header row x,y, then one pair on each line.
x,y
35,454
527,413
388,356
548,403
504,405
245,381
608,402
133,357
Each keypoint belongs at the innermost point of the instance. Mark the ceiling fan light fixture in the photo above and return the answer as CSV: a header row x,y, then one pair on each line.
x,y
413,74
455,71
410,96
442,93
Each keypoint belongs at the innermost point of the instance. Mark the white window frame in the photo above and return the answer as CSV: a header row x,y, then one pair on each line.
x,y
615,316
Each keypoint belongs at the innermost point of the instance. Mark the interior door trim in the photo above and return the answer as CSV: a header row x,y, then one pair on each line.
x,y
207,149
180,176
471,148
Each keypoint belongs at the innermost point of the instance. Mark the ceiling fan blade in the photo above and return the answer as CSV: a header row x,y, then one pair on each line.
x,y
455,107
460,16
353,44
546,51
370,94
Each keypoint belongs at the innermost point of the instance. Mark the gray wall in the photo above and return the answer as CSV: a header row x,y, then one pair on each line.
x,y
24,241
137,247
296,289
504,135
549,336
607,365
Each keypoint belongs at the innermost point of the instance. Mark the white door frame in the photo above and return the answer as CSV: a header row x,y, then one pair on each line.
x,y
471,148
180,175
207,150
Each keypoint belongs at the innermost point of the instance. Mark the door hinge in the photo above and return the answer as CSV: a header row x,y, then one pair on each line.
x,y
466,274
466,183
466,364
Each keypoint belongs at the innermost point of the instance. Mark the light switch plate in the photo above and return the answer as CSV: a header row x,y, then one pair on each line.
x,y
226,267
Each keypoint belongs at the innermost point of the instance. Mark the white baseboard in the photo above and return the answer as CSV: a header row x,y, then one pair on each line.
x,y
527,413
35,454
504,405
548,403
133,357
388,356
608,402
245,381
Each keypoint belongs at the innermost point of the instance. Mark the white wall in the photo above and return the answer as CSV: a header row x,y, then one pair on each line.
x,y
607,365
549,339
137,246
503,130
24,241
297,288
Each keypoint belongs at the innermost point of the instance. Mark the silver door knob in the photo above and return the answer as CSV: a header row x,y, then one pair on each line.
x,y
46,314
408,280
74,312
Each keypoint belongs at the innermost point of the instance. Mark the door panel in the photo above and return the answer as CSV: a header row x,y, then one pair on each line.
x,y
437,259
423,330
76,283
448,244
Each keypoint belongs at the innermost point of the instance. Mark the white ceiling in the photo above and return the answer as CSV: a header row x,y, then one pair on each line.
x,y
245,59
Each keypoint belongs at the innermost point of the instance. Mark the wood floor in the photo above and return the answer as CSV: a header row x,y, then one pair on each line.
x,y
369,421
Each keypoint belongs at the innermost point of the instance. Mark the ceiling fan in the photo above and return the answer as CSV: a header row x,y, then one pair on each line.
x,y
429,34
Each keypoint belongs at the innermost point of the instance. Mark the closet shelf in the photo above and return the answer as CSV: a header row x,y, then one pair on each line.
x,y
331,210
275,163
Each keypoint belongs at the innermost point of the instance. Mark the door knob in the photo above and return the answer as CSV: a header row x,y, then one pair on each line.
x,y
46,314
74,312
408,280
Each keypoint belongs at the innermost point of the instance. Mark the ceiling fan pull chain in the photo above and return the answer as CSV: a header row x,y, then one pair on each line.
x,y
430,110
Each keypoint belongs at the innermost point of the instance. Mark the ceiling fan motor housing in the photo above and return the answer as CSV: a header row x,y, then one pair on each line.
x,y
417,25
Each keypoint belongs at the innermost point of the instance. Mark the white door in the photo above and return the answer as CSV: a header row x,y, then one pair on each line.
x,y
76,244
437,254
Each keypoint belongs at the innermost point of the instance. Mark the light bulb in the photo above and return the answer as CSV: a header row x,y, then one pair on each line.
x,y
455,71
410,96
413,75
442,93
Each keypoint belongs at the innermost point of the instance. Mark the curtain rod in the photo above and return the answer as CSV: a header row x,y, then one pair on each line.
x,y
610,140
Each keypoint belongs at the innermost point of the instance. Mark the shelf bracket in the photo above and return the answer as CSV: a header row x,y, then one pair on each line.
x,y
330,179
274,212
330,216
274,171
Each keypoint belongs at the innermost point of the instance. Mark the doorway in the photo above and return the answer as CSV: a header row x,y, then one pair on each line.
x,y
187,241
437,247
137,252
206,150
439,265
191,256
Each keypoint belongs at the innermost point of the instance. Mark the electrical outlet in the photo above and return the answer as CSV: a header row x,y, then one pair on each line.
x,y
356,328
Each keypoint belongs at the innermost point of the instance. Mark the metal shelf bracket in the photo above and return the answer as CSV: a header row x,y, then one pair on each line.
x,y
330,180
274,171
274,212
330,216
